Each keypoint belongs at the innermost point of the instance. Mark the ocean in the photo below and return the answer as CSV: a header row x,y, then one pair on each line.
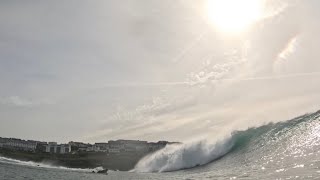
x,y
284,150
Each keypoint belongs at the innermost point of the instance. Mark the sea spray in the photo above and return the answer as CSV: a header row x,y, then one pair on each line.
x,y
183,156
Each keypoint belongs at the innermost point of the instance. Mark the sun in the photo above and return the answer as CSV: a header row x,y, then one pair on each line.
x,y
234,16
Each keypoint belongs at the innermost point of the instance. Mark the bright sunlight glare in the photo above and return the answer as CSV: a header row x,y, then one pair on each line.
x,y
234,16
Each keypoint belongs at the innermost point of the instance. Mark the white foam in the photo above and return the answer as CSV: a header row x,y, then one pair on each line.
x,y
182,156
45,165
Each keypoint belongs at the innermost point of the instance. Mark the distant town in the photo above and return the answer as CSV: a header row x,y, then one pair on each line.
x,y
112,147
120,155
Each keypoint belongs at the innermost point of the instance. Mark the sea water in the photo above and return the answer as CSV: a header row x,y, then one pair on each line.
x,y
285,150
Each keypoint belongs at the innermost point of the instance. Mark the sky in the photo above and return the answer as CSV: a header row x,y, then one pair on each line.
x,y
152,70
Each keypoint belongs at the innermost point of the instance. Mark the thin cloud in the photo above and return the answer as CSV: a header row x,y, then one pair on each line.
x,y
18,101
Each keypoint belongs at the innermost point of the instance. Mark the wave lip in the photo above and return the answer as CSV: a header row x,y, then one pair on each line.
x,y
184,156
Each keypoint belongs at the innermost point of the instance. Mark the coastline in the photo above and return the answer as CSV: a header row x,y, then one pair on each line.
x,y
123,162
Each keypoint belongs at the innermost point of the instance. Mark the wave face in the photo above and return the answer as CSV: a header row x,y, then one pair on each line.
x,y
280,142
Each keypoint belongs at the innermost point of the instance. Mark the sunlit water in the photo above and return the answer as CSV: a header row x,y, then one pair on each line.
x,y
287,150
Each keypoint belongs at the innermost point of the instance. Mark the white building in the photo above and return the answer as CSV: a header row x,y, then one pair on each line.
x,y
18,144
53,147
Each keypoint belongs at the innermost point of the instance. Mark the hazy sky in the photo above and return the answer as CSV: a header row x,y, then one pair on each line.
x,y
151,69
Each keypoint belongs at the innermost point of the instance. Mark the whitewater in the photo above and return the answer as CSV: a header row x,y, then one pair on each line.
x,y
284,150
46,165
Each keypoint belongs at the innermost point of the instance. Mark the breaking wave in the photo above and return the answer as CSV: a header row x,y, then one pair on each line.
x,y
183,156
189,155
